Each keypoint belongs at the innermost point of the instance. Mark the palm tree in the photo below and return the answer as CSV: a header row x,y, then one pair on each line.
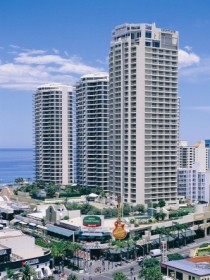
x,y
12,274
27,272
73,247
132,244
161,232
180,228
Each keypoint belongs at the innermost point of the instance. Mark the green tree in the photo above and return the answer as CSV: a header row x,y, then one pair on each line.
x,y
139,208
126,209
58,249
180,228
12,274
159,216
28,272
204,245
161,203
72,277
66,217
148,273
175,257
19,180
43,221
51,190
162,215
120,276
148,263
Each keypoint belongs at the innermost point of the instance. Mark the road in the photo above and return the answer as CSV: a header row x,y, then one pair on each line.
x,y
185,250
108,274
108,269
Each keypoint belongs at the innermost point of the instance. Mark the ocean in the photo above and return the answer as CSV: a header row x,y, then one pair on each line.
x,y
16,163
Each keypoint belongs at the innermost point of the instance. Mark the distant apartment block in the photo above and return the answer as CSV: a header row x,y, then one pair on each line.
x,y
186,155
193,171
193,184
54,150
92,124
144,113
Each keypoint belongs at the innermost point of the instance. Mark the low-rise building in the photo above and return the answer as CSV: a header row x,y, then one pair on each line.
x,y
18,249
197,268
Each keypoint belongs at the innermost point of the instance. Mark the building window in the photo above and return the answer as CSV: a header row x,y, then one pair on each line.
x,y
148,34
138,34
156,44
147,44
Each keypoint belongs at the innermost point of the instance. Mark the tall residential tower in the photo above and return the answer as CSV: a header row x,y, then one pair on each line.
x,y
144,113
53,116
92,124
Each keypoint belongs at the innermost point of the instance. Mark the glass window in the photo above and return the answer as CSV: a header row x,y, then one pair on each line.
x,y
147,44
156,44
148,34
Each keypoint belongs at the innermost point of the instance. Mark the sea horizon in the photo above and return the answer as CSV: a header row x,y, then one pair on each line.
x,y
15,163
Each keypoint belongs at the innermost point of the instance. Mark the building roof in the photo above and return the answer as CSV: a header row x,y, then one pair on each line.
x,y
198,269
96,75
59,230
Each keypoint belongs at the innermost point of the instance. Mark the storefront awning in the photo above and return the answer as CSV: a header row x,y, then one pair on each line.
x,y
61,231
92,234
190,233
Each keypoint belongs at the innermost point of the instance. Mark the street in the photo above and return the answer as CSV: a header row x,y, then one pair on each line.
x,y
102,270
131,270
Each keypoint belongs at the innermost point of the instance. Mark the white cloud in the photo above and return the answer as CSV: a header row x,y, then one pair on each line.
x,y
55,51
104,62
187,58
14,46
199,72
28,68
188,48
66,53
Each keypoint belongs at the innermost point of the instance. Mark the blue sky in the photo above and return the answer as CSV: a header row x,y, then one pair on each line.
x,y
59,40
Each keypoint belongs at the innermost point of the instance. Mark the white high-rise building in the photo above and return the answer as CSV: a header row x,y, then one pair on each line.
x,y
92,130
197,153
186,155
54,151
144,113
194,184
193,171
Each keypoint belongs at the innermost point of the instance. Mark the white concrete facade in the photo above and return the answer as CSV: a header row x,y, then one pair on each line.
x,y
193,184
53,117
92,118
186,155
196,154
144,113
193,171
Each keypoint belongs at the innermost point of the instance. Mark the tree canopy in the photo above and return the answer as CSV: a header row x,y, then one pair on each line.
x,y
148,273
120,276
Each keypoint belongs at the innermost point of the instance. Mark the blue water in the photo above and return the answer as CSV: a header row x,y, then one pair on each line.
x,y
16,163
